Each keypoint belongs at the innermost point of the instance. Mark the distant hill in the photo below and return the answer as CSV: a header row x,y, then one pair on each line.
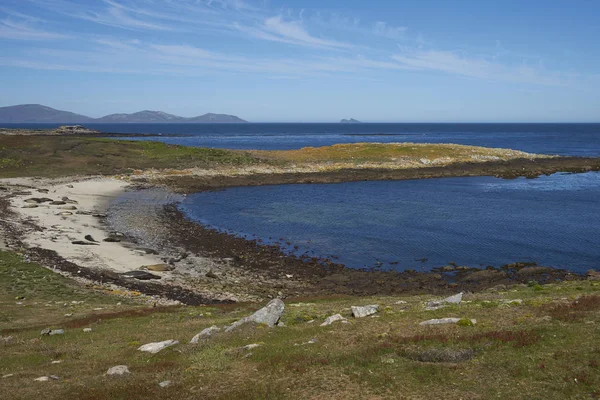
x,y
36,113
145,116
350,121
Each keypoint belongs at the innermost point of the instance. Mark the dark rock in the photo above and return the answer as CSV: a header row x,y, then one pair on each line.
x,y
211,274
38,200
112,240
141,275
43,190
57,203
90,238
82,243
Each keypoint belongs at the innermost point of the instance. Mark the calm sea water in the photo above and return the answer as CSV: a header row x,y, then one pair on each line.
x,y
554,220
479,221
563,139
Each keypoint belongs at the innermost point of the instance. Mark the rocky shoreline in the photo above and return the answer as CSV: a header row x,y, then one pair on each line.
x,y
196,181
194,264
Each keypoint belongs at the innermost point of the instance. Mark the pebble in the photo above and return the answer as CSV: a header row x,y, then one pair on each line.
x,y
87,330
56,362
42,379
164,384
7,376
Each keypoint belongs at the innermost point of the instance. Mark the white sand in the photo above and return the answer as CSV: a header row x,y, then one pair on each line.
x,y
59,231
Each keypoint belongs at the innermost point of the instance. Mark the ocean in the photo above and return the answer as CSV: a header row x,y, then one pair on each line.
x,y
561,139
419,224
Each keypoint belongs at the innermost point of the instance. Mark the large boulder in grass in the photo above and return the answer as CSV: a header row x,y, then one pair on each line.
x,y
268,315
364,311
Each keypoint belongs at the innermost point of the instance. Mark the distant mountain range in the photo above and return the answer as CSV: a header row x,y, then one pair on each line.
x,y
36,113
350,121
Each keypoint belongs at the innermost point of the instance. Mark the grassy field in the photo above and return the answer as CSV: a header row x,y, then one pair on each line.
x,y
388,152
45,156
548,347
63,156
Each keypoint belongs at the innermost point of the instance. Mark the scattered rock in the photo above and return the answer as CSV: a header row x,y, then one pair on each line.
x,y
64,213
84,243
205,333
43,191
52,332
250,346
509,302
69,201
70,208
57,203
442,321
90,238
437,304
112,239
401,302
7,376
56,362
141,275
87,330
157,346
435,307
330,320
364,311
30,206
211,274
38,200
164,384
268,315
147,251
118,370
42,379
593,275
159,267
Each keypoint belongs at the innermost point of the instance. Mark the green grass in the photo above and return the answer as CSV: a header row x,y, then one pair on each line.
x,y
64,156
544,348
45,156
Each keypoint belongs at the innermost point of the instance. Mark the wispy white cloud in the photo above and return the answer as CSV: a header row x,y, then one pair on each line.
x,y
478,67
277,29
381,28
21,30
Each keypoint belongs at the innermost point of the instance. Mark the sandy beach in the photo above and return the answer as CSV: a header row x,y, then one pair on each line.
x,y
86,201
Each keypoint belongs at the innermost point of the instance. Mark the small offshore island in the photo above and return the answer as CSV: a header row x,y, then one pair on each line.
x,y
95,218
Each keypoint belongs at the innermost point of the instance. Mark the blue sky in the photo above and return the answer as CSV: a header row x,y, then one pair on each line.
x,y
304,61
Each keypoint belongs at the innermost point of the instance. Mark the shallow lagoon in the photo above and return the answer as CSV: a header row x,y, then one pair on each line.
x,y
476,221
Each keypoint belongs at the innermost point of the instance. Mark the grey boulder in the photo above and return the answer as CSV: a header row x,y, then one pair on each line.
x,y
268,315
155,347
118,370
442,321
364,311
205,333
